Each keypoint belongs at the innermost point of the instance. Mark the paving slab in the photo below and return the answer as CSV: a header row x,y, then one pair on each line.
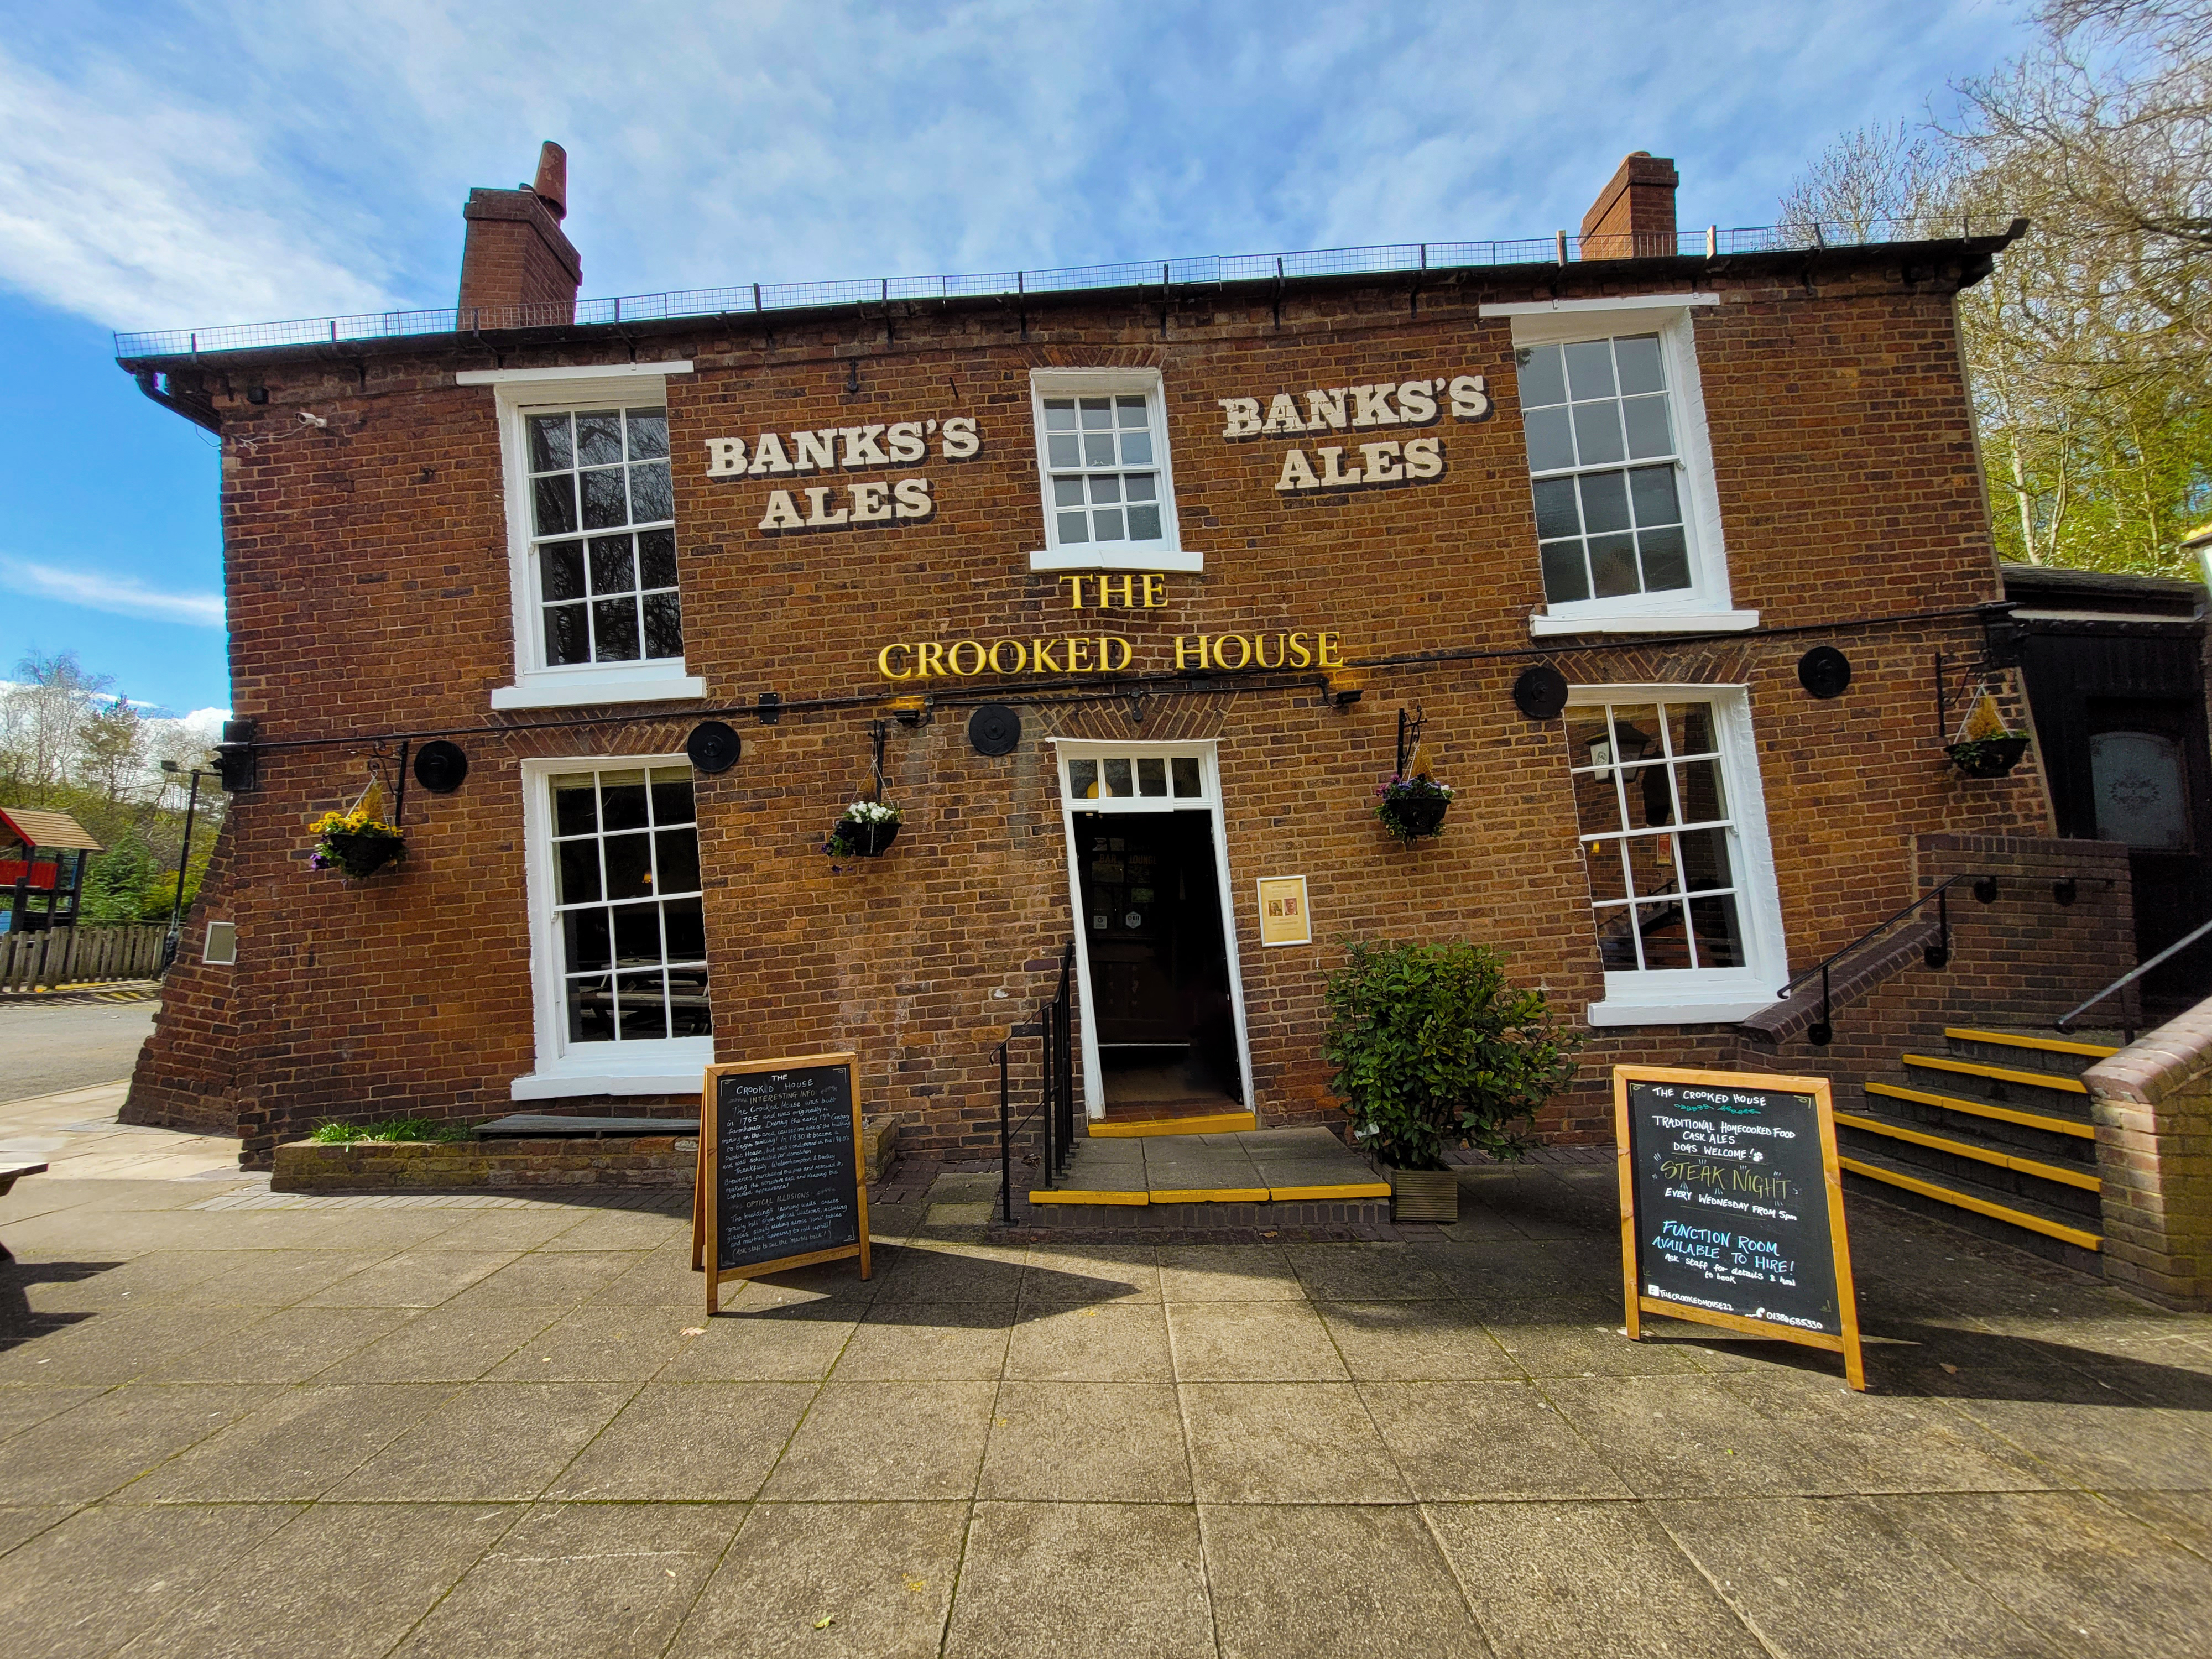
x,y
1055,1579
110,1440
489,1441
1289,1583
688,1441
1119,1443
905,1440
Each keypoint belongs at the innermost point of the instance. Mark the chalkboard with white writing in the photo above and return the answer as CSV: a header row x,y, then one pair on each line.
x,y
1731,1204
780,1181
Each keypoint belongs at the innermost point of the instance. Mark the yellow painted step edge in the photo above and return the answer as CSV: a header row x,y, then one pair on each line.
x,y
1220,1123
2087,1179
2000,1074
2057,1126
2048,1045
1351,1190
2034,1224
1211,1195
1070,1195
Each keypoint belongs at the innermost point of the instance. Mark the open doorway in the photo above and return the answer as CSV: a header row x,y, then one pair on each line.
x,y
1162,1020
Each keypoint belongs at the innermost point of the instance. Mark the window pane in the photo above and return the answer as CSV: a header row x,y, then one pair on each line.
x,y
613,571
1105,488
1551,442
1649,433
1108,523
1136,448
578,874
605,504
1652,490
561,570
1543,378
1140,486
1067,492
1074,527
614,630
1132,409
1059,414
643,1006
1185,770
2138,790
550,448
622,799
1064,451
1083,779
648,434
1705,860
1144,524
651,496
686,925
1699,784
664,625
629,866
555,501
1604,501
656,558
585,937
688,1014
1589,740
1639,358
1635,731
1098,414
1555,509
1151,777
1099,449
1565,578
1720,934
1666,559
1666,941
1117,779
598,437
1613,567
1597,438
673,801
1589,369
1694,735
1597,802
637,929
1616,941
1650,864
591,1010
1607,879
575,810
679,852
1657,795
568,636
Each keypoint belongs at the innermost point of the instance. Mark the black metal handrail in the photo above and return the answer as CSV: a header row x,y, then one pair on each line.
x,y
2065,1022
1937,955
1056,1027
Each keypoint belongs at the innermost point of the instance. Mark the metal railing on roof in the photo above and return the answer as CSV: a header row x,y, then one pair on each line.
x,y
1210,271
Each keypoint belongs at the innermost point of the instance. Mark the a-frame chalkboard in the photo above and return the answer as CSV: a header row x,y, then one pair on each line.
x,y
1732,1206
779,1182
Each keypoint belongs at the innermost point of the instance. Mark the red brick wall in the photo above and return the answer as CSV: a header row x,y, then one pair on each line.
x,y
367,589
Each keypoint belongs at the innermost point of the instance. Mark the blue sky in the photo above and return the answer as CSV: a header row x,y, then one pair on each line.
x,y
188,165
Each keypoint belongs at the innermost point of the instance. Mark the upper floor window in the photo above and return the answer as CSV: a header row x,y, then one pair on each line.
x,y
591,515
1628,529
1102,461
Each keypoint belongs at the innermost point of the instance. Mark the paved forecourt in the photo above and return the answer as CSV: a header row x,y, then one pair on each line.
x,y
234,1422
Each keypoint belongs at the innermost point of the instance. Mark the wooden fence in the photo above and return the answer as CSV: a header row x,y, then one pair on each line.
x,y
76,956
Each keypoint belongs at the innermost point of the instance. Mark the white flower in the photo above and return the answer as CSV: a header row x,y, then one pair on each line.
x,y
871,812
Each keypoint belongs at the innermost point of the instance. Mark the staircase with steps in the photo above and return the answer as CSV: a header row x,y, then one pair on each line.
x,y
1993,1135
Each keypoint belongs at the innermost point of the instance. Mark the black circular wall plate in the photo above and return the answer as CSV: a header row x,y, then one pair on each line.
x,y
713,746
1824,671
440,767
994,729
1541,692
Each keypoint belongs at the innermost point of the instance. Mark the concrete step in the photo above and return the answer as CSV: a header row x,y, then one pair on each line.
x,y
2052,1138
2071,1187
1990,1211
2048,1093
1147,1128
2031,1051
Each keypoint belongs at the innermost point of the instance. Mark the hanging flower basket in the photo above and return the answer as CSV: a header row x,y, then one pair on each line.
x,y
866,831
1411,809
355,843
1988,757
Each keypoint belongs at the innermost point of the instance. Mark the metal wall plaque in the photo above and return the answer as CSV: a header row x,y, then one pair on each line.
x,y
713,746
1824,671
1541,692
994,729
439,766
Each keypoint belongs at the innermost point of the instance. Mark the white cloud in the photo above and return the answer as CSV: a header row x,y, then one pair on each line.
x,y
124,596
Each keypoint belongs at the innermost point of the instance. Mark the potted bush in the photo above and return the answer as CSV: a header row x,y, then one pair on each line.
x,y
866,830
1434,1048
1411,809
357,843
1986,748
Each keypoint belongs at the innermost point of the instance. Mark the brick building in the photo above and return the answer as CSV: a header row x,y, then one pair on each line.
x,y
1127,582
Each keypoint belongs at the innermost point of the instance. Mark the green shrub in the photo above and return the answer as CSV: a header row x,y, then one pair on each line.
x,y
331,1132
1433,1048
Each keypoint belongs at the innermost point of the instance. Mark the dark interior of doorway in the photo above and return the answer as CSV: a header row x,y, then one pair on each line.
x,y
1159,968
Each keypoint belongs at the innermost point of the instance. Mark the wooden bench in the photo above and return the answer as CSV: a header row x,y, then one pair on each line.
x,y
10,1172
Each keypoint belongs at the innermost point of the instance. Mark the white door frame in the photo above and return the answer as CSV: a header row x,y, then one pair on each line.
x,y
1209,772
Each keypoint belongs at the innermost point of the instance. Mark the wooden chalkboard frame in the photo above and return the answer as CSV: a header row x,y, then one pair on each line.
x,y
706,1232
1847,1342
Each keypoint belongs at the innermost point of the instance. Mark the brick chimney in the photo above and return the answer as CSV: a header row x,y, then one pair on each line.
x,y
1633,217
517,268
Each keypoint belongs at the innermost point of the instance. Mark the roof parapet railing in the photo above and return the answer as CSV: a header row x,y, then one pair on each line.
x,y
1410,258
2065,1022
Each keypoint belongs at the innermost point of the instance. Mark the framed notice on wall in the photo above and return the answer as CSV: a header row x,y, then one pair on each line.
x,y
1284,918
781,1182
1732,1206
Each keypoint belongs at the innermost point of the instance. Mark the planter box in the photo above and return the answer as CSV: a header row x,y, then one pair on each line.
x,y
1423,1194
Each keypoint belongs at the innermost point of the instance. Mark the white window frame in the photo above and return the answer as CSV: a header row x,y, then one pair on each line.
x,y
1208,799
1705,605
1166,554
517,392
1696,996
664,1065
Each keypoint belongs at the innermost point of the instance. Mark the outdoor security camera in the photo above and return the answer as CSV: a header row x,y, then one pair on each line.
x,y
313,420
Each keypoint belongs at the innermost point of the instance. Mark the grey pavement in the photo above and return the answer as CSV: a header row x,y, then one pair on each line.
x,y
71,1040
235,1422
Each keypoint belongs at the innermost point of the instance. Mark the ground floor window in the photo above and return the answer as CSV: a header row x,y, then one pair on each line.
x,y
1673,834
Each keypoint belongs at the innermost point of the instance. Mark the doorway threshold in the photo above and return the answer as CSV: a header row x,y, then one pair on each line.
x,y
1205,1123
